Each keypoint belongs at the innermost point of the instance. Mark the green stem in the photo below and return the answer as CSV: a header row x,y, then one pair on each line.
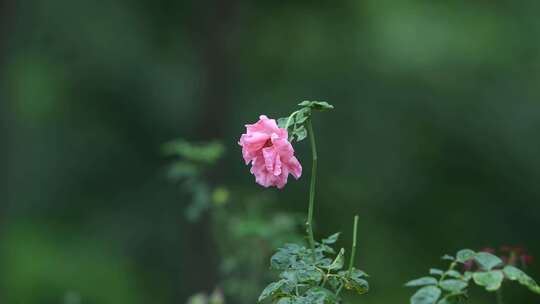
x,y
353,248
452,266
325,278
339,289
499,296
309,224
290,118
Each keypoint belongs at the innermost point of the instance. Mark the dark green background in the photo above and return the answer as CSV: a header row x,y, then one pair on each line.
x,y
434,141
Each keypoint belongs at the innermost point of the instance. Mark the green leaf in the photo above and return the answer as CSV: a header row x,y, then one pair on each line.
x,y
302,119
435,271
282,122
467,276
285,256
331,239
208,152
491,280
338,261
355,273
300,300
308,274
284,300
446,300
513,273
448,257
454,274
354,280
289,276
323,262
296,124
453,299
317,105
302,116
360,286
422,281
320,295
516,274
426,295
453,285
487,261
334,282
327,249
465,255
298,119
271,289
300,133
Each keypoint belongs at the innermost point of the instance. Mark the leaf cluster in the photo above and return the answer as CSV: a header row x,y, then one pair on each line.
x,y
314,276
207,153
296,122
450,286
251,224
191,160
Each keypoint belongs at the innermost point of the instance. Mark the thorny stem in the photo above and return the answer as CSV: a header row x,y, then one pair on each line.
x,y
353,248
309,223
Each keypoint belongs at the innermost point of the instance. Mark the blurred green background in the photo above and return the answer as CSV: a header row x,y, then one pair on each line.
x,y
434,140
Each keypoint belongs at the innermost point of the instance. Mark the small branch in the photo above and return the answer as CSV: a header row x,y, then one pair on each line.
x,y
353,248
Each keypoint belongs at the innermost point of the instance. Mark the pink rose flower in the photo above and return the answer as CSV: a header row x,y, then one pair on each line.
x,y
271,154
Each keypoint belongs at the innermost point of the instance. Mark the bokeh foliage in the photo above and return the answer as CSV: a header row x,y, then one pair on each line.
x,y
434,140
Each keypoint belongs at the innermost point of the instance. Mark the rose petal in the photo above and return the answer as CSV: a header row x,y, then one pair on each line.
x,y
271,155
